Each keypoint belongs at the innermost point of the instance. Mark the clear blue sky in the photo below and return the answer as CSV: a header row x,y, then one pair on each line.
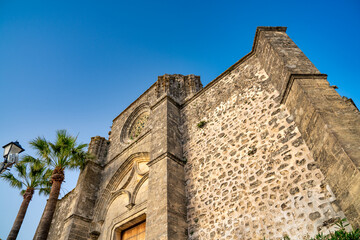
x,y
76,65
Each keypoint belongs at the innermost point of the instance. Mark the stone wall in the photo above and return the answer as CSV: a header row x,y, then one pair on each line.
x,y
329,124
145,132
267,149
249,174
123,188
331,129
63,208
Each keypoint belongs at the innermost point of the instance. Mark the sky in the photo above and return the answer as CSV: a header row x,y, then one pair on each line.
x,y
76,65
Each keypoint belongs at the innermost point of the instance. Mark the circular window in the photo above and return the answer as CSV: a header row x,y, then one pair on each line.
x,y
138,125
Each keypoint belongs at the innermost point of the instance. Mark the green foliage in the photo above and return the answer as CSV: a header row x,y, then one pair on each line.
x,y
340,234
64,153
31,173
201,124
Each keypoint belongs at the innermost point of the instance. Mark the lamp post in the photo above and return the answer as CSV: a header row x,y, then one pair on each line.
x,y
11,155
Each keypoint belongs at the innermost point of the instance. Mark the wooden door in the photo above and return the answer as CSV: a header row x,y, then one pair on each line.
x,y
134,233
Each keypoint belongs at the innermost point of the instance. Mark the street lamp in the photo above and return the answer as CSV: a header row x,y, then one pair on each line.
x,y
11,155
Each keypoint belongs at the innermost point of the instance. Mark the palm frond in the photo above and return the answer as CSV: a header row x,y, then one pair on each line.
x,y
81,147
41,146
35,163
21,170
36,171
45,186
61,134
32,173
47,174
44,191
63,153
12,180
80,156
64,139
29,159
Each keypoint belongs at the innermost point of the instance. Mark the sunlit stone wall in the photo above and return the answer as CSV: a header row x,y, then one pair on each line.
x,y
249,174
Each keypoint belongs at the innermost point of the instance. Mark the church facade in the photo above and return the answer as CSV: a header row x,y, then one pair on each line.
x,y
267,149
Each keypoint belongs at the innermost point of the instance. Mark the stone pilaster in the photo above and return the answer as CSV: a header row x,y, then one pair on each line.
x,y
166,211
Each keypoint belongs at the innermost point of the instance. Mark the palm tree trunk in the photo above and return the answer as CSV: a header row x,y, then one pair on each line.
x,y
45,222
21,214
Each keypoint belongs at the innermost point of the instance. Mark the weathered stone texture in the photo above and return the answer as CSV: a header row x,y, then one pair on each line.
x,y
331,129
166,206
330,124
249,174
267,149
63,208
280,57
177,86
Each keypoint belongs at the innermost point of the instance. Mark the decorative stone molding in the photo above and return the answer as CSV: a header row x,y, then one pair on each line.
x,y
128,179
136,124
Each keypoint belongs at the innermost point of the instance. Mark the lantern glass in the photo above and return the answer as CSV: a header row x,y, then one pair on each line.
x,y
13,158
12,148
7,150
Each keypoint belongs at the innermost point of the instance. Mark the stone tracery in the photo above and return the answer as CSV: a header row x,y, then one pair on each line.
x,y
138,125
127,182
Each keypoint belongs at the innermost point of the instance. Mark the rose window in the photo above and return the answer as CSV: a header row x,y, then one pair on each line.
x,y
138,125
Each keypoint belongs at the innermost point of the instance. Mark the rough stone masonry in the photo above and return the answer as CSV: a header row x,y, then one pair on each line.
x,y
265,150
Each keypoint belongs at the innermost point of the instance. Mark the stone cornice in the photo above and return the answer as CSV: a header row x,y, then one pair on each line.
x,y
96,164
166,97
166,155
76,216
298,76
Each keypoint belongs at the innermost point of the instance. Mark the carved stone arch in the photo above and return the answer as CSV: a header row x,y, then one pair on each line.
x,y
137,188
119,192
112,190
141,109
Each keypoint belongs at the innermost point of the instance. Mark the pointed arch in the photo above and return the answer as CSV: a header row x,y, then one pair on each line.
x,y
110,193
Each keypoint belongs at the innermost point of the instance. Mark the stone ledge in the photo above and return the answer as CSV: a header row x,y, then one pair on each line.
x,y
298,76
275,29
166,155
75,216
166,97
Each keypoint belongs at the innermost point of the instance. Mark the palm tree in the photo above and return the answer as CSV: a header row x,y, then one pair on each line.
x,y
62,154
32,175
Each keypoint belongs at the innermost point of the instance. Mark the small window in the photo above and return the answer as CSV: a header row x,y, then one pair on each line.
x,y
136,232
